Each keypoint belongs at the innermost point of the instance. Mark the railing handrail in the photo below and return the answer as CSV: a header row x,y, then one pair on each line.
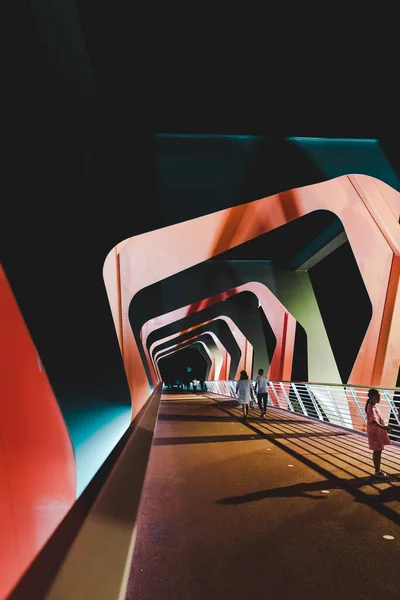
x,y
339,405
342,385
75,562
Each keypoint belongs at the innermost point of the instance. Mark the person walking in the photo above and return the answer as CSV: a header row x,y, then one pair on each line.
x,y
377,431
261,389
243,391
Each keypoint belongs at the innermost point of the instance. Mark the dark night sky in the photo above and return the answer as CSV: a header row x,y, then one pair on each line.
x,y
61,169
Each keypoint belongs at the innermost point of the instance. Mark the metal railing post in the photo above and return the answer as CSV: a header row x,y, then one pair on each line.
x,y
287,397
339,414
315,403
391,405
271,383
356,400
303,408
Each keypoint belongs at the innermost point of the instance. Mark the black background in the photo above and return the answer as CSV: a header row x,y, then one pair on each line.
x,y
79,162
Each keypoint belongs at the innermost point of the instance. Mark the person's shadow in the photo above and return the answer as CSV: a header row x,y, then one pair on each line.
x,y
299,489
315,491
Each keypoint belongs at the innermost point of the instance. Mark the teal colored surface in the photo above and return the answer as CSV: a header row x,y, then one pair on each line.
x,y
336,157
94,432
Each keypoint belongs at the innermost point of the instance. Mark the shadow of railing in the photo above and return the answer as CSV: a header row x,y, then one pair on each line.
x,y
343,459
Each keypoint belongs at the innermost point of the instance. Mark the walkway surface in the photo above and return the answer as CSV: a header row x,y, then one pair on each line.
x,y
283,507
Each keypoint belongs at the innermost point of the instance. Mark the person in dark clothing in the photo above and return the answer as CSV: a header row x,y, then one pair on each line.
x,y
261,389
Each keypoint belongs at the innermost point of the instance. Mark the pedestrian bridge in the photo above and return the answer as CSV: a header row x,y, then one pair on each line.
x,y
280,507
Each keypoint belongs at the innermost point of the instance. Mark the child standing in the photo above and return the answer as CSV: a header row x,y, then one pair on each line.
x,y
377,431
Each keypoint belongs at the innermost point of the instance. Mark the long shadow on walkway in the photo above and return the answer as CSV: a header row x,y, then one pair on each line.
x,y
212,439
342,458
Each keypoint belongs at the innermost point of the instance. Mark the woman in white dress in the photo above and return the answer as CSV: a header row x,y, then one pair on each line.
x,y
243,390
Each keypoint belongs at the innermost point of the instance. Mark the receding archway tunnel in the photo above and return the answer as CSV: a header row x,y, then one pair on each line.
x,y
183,366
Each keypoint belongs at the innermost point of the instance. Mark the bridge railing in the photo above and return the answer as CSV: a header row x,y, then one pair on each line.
x,y
342,405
